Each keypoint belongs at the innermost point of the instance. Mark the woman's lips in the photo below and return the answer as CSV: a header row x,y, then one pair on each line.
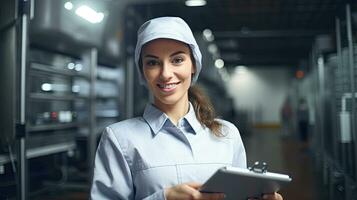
x,y
167,87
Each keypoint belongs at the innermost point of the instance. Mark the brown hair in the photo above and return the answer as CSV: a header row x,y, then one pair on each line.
x,y
204,110
202,105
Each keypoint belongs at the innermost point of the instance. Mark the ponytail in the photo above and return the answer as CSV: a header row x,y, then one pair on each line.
x,y
204,110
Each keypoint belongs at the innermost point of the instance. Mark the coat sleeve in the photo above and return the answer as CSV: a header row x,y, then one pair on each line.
x,y
112,177
239,155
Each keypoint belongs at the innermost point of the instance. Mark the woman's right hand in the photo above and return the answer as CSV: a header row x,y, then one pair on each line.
x,y
190,191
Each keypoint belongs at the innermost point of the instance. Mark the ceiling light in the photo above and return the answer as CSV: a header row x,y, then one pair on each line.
x,y
68,5
89,14
78,67
212,48
299,74
208,35
207,32
219,63
70,65
195,3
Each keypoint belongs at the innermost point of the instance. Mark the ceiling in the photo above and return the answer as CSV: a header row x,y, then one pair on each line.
x,y
255,32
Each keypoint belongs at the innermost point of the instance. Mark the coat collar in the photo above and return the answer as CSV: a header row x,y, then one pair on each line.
x,y
157,119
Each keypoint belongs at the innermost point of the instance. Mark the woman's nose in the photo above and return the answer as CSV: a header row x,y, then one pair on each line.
x,y
166,71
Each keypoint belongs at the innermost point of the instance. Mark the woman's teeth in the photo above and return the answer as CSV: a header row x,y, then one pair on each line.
x,y
167,86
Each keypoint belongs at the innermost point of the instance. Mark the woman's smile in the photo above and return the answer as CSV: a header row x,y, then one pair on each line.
x,y
168,87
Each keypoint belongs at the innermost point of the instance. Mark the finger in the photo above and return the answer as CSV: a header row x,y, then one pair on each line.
x,y
278,196
196,195
212,196
189,189
192,188
268,196
194,185
274,196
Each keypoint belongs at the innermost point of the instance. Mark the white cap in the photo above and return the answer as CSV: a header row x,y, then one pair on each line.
x,y
170,28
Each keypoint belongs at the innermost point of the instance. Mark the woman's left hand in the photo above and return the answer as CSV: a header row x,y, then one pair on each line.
x,y
275,196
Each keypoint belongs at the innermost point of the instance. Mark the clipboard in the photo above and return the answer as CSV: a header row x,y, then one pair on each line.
x,y
240,183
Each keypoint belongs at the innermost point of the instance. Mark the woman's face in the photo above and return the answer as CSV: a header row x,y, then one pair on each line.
x,y
168,68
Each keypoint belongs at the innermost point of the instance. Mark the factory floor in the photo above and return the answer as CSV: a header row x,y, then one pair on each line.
x,y
282,154
285,155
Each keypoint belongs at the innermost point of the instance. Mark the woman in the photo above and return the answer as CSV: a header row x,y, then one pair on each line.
x,y
177,144
303,123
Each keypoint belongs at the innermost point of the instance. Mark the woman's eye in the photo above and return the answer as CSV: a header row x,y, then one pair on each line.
x,y
151,63
177,60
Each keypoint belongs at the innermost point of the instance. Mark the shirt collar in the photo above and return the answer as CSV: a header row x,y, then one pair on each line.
x,y
191,118
156,118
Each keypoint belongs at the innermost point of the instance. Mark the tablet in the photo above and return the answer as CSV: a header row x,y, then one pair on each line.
x,y
240,183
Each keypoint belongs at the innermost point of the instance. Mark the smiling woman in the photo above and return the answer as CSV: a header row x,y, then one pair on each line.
x,y
168,152
168,70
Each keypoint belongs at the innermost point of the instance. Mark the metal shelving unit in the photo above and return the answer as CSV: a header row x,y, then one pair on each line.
x,y
42,151
50,69
52,117
51,94
334,138
39,96
51,127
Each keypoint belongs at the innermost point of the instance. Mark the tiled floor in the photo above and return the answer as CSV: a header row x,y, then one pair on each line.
x,y
284,155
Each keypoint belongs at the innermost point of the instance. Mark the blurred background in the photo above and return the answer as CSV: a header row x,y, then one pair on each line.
x,y
283,71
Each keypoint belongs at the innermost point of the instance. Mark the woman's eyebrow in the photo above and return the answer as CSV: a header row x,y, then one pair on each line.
x,y
177,52
150,56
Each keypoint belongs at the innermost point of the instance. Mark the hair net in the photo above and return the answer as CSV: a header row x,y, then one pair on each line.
x,y
170,28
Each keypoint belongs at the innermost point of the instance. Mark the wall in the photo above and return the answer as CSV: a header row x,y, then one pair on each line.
x,y
260,91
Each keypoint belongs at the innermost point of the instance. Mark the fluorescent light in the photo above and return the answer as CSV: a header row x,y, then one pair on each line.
x,y
89,14
219,63
68,5
195,2
46,87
